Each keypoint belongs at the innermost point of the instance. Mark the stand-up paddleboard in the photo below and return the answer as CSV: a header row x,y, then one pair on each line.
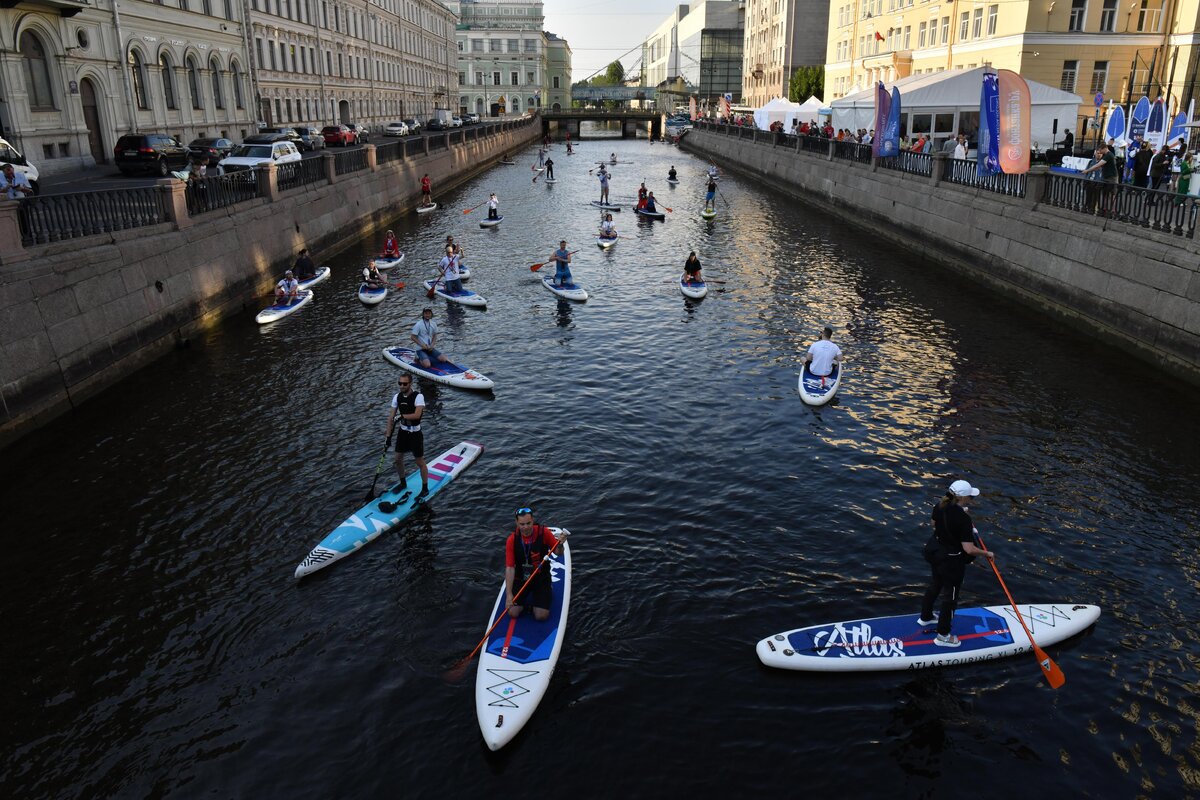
x,y
551,180
507,163
672,181
708,213
321,275
895,643
383,263
539,169
466,297
816,390
389,509
491,223
606,242
606,206
464,273
520,656
658,215
281,310
693,289
571,291
372,295
446,372
427,209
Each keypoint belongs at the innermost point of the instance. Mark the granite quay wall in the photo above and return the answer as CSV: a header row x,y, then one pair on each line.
x,y
95,285
1128,277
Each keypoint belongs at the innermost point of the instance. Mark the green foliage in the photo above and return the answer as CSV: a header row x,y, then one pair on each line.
x,y
806,82
615,74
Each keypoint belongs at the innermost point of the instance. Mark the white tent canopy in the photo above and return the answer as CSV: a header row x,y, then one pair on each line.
x,y
808,111
776,110
944,103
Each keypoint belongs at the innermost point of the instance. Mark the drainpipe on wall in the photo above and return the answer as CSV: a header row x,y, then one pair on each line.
x,y
123,60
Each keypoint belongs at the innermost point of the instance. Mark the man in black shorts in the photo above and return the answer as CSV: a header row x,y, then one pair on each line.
x,y
524,550
407,407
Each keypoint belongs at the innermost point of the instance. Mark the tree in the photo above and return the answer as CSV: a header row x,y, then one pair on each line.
x,y
806,82
615,74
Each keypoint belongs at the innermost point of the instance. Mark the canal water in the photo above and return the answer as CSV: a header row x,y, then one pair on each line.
x,y
157,645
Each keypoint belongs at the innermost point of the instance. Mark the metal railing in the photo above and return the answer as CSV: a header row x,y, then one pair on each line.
x,y
389,151
221,191
300,173
1166,212
814,144
910,162
53,218
964,172
858,153
349,161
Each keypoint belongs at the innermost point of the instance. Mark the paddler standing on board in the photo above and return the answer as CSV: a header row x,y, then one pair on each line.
x,y
603,185
426,191
671,173
710,195
493,207
948,551
407,407
823,355
641,203
527,546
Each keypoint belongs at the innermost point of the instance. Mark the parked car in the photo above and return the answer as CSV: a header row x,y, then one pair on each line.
x,y
158,153
395,129
250,155
414,126
209,151
310,139
11,155
338,135
471,119
361,134
290,133
435,124
456,122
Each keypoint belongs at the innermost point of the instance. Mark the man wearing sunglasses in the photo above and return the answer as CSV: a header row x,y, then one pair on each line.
x,y
407,407
525,549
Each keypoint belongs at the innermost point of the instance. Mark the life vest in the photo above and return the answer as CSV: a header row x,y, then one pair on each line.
x,y
527,558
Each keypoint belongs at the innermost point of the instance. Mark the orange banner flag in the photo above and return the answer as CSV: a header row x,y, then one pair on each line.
x,y
1014,122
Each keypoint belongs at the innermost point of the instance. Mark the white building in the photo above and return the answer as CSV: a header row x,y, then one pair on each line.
x,y
781,35
501,57
696,53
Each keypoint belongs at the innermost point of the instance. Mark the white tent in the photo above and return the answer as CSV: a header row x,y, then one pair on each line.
x,y
808,111
776,110
944,103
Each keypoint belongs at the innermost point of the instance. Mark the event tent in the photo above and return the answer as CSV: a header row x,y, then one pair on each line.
x,y
777,110
944,103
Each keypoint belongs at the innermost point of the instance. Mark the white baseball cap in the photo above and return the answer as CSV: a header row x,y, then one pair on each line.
x,y
963,489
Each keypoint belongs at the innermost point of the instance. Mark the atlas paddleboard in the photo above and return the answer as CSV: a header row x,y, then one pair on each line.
x,y
321,275
389,509
816,390
606,206
490,223
446,372
516,665
899,643
571,291
383,263
427,209
693,289
708,213
658,215
281,310
606,242
372,295
466,297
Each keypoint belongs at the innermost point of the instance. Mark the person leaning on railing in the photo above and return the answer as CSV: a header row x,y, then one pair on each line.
x,y
15,185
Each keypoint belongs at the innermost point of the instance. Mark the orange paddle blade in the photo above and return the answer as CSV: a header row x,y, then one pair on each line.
x,y
536,267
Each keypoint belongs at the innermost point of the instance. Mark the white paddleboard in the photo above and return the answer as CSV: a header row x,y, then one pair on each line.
x,y
466,297
673,182
572,291
321,275
370,296
427,209
816,390
899,643
516,664
446,372
491,223
606,243
708,213
551,180
696,290
383,263
606,206
281,310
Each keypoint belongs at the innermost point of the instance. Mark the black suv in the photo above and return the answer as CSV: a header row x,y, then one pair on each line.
x,y
310,139
158,153
285,133
209,151
435,124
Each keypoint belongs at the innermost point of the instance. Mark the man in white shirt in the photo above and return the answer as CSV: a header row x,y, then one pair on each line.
x,y
493,207
450,275
424,337
15,183
960,149
823,354
287,290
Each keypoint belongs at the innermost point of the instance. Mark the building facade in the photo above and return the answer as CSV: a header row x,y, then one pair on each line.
x,y
1094,48
502,59
75,76
557,92
781,35
695,53
370,62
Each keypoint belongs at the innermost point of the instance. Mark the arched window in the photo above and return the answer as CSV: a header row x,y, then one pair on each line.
x,y
194,83
236,75
168,79
37,73
218,95
137,73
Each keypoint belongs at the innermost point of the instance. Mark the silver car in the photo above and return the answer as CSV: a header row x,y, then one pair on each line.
x,y
395,129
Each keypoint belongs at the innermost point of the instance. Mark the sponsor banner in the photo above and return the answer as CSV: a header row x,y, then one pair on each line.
x,y
1156,125
1115,129
883,103
987,157
1014,122
1138,117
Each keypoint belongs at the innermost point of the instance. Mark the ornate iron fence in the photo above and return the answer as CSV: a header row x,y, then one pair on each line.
x,y
389,151
965,173
221,191
1165,212
907,161
349,161
53,218
300,173
859,153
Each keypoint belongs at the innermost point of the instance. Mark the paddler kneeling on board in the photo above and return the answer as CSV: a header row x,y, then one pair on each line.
x,y
823,355
407,407
561,258
649,206
424,337
525,549
450,275
948,551
691,269
287,290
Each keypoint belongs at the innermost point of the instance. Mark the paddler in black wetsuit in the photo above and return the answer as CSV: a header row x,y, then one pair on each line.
x,y
407,407
948,551
524,550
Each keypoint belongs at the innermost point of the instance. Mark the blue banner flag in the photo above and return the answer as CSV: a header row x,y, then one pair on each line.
x,y
891,130
880,146
987,157
1116,125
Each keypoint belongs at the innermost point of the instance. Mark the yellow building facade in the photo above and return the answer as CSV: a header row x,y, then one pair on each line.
x,y
1117,49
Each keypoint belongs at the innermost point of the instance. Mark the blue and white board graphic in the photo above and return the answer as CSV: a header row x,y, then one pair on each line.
x,y
446,372
520,656
366,524
320,275
897,643
1138,118
463,297
281,310
817,390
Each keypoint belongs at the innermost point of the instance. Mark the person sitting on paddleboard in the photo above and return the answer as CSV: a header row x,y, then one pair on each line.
x,y
407,407
391,247
948,551
424,337
304,267
450,275
607,229
561,258
524,550
710,195
426,191
649,204
287,290
371,276
671,174
691,269
603,186
493,207
823,354
549,169
613,158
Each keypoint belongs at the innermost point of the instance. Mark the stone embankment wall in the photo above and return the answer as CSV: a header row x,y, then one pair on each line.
x,y
1136,288
77,316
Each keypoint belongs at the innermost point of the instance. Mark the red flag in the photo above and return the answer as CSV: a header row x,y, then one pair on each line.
x,y
878,36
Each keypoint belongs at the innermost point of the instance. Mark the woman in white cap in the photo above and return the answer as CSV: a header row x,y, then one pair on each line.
x,y
948,551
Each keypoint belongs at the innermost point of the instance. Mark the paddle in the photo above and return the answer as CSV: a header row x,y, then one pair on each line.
x,y
432,292
454,674
1054,675
379,469
472,208
536,267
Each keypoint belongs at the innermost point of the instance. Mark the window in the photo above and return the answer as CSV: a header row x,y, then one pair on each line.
x,y
236,77
529,77
514,45
993,18
1099,77
462,78
495,79
1070,71
515,82
218,95
271,51
460,45
556,86
1078,15
137,73
479,79
907,37
1108,16
977,28
194,84
37,73
964,26
921,35
531,46
168,79
493,45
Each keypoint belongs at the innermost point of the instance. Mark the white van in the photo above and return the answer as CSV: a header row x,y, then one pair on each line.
x,y
11,155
